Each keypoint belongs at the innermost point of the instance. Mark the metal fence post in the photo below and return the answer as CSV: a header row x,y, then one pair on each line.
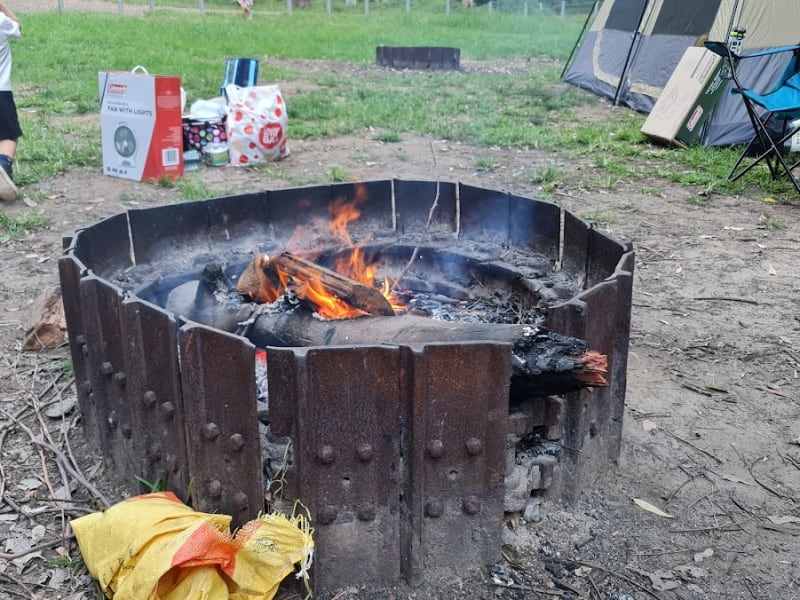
x,y
447,8
563,8
152,7
525,9
120,9
202,6
366,7
328,6
408,7
288,7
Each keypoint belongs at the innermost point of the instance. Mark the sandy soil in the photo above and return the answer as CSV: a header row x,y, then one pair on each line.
x,y
712,420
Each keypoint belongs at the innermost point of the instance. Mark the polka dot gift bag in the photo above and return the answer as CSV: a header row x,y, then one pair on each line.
x,y
256,122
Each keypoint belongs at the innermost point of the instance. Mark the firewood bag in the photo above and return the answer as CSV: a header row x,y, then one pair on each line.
x,y
154,547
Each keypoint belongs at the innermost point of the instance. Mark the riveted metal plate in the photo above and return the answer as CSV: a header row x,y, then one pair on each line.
x,y
218,385
100,309
459,423
343,408
70,271
149,336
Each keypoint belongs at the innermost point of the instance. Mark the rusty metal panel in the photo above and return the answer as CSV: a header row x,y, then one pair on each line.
x,y
111,423
605,255
105,246
484,215
535,224
149,337
70,271
218,385
413,202
155,229
342,406
459,424
576,248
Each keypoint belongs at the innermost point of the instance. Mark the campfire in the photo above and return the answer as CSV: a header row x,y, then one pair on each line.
x,y
433,355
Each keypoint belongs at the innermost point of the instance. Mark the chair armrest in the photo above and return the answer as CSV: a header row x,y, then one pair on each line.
x,y
722,49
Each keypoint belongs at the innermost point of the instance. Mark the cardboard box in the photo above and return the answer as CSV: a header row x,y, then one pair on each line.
x,y
141,125
686,102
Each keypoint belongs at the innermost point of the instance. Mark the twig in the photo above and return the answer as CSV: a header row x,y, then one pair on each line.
x,y
73,470
620,576
528,588
763,485
727,299
31,550
594,587
691,445
20,583
431,212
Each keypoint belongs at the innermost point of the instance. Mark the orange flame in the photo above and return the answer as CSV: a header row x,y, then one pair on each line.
x,y
354,266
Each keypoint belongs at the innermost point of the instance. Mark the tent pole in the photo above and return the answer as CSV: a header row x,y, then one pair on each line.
x,y
580,37
630,51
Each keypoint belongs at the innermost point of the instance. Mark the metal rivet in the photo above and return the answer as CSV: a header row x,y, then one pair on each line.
x,y
172,463
112,420
326,454
150,398
240,500
366,512
434,508
435,448
80,340
85,350
126,430
120,379
91,397
472,505
326,515
167,410
214,488
474,446
365,452
211,431
106,368
86,386
236,442
154,452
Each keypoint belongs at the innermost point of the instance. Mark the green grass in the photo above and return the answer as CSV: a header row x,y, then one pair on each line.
x,y
11,227
59,56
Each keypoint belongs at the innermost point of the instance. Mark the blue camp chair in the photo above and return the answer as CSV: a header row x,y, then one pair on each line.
x,y
241,71
779,106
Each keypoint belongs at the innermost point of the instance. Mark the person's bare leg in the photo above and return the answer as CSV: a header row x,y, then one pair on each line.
x,y
9,148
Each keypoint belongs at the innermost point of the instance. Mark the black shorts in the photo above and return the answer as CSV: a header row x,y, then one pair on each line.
x,y
9,121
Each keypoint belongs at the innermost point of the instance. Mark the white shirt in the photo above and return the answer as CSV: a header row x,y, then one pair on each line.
x,y
8,29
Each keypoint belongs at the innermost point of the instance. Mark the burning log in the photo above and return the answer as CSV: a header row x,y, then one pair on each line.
x,y
543,363
262,277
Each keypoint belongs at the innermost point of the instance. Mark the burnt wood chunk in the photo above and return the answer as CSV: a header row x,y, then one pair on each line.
x,y
357,295
543,363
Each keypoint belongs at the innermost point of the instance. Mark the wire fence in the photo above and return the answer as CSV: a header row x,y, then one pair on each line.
x,y
525,7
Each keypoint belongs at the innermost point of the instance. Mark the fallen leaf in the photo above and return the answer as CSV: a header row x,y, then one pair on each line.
x,y
663,582
771,270
701,556
649,425
769,200
582,571
651,508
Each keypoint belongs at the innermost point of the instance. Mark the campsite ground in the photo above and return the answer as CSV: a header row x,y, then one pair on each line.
x,y
712,419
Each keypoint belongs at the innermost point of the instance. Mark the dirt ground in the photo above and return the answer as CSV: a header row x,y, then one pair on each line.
x,y
712,419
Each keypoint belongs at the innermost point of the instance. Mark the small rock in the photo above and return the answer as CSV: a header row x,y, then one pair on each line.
x,y
61,408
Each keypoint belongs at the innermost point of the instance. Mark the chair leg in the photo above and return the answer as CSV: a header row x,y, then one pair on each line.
x,y
771,153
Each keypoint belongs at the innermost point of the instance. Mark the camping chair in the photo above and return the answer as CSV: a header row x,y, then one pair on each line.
x,y
779,105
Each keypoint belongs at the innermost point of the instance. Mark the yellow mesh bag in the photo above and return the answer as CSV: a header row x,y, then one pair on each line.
x,y
154,547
